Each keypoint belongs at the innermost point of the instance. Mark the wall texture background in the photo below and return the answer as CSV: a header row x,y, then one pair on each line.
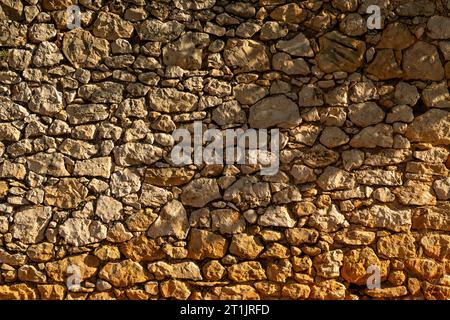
x,y
87,187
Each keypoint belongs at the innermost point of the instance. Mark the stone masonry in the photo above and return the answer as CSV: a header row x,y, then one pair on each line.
x,y
92,207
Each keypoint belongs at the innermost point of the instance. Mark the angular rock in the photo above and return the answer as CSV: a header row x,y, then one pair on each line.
x,y
406,94
12,170
205,244
249,93
328,219
422,62
433,126
246,271
80,232
302,174
141,248
246,246
378,177
85,113
229,113
299,236
108,209
227,221
435,292
47,55
355,237
155,30
41,252
68,193
12,33
125,182
97,167
123,274
353,25
340,53
172,221
111,27
181,270
438,27
436,246
385,66
433,217
436,95
276,216
15,260
396,36
175,289
30,224
379,216
200,192
83,50
8,132
11,9
274,111
19,60
132,108
380,135
442,188
213,270
415,193
335,179
365,114
333,137
134,153
246,56
310,96
40,32
400,113
170,100
20,291
77,149
425,268
186,52
152,196
52,5
399,245
290,13
327,264
298,46
328,290
48,164
295,291
248,192
272,30
194,5
103,92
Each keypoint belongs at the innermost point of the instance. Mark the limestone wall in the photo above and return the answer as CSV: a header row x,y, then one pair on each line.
x,y
92,205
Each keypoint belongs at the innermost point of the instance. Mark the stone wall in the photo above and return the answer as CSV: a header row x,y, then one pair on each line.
x,y
88,190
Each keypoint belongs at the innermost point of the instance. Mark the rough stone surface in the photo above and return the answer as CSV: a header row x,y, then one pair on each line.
x,y
94,121
274,111
432,126
340,53
172,221
30,224
83,50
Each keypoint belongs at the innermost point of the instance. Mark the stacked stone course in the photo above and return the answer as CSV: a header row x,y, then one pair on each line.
x,y
87,184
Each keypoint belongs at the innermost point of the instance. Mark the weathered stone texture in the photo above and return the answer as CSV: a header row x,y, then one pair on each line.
x,y
108,132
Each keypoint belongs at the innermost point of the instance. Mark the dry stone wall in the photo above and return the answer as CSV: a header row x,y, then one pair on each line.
x,y
93,207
